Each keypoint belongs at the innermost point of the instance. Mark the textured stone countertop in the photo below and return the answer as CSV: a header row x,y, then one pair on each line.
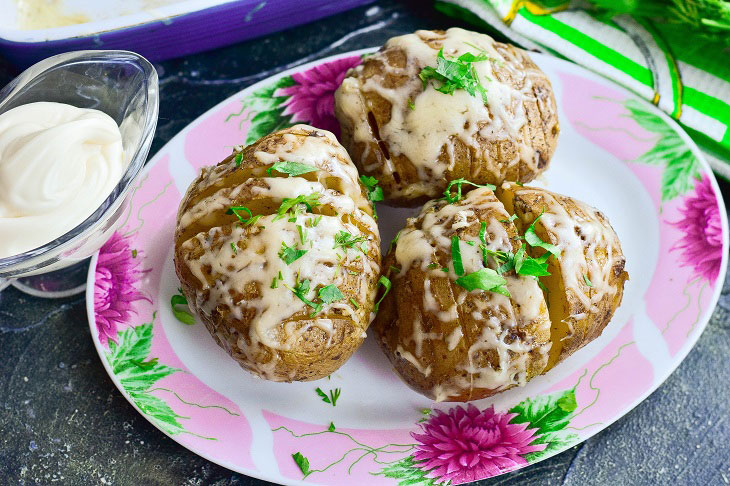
x,y
63,421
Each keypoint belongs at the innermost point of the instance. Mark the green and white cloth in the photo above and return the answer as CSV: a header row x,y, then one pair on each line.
x,y
688,77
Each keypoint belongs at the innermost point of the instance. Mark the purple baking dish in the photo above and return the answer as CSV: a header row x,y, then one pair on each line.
x,y
176,28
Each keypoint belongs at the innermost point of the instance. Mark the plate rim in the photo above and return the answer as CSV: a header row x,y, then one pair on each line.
x,y
677,359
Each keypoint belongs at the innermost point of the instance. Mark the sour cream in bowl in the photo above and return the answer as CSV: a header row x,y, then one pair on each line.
x,y
75,131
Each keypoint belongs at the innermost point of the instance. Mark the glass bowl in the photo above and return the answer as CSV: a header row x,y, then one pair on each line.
x,y
123,85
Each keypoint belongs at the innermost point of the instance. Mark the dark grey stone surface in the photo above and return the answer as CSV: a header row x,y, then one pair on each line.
x,y
64,422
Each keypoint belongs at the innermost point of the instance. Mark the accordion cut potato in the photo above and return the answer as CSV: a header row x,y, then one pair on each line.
x,y
414,138
285,281
443,340
586,283
451,341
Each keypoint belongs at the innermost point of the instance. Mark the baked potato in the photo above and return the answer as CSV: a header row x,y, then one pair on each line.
x,y
586,282
279,255
434,106
445,337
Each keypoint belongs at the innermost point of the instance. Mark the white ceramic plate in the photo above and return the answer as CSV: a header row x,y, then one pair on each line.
x,y
664,205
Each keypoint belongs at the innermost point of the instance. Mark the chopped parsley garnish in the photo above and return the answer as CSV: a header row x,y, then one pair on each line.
x,y
300,290
332,398
290,254
181,315
455,73
374,191
456,256
588,282
533,240
134,253
352,301
483,239
312,222
445,269
291,168
511,218
302,233
426,412
394,241
238,159
302,462
346,240
330,293
432,266
524,265
237,210
411,105
484,279
332,427
385,282
292,207
458,183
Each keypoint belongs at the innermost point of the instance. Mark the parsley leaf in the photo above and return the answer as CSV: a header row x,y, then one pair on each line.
x,y
302,462
394,241
300,290
529,266
290,253
453,74
238,159
588,282
290,207
484,279
346,240
291,168
330,293
533,240
331,398
183,316
456,256
374,191
458,183
237,210
385,282
332,427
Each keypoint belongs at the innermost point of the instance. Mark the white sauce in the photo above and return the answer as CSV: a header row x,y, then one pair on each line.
x,y
58,164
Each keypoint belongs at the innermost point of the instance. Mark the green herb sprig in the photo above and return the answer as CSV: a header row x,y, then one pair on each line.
x,y
181,315
293,207
291,168
452,198
290,254
455,73
331,398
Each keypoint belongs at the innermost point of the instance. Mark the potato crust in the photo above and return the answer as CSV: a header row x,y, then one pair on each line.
x,y
444,341
414,139
233,272
586,284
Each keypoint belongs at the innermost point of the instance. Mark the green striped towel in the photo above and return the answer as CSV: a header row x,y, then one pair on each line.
x,y
688,77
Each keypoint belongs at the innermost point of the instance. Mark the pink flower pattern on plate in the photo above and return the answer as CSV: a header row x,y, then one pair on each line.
x,y
117,272
466,444
311,98
701,245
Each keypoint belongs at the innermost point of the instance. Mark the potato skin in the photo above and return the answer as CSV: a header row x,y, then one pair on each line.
x,y
226,267
436,334
380,98
590,249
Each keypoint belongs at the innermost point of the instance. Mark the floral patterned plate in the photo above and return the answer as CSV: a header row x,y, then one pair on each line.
x,y
615,152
